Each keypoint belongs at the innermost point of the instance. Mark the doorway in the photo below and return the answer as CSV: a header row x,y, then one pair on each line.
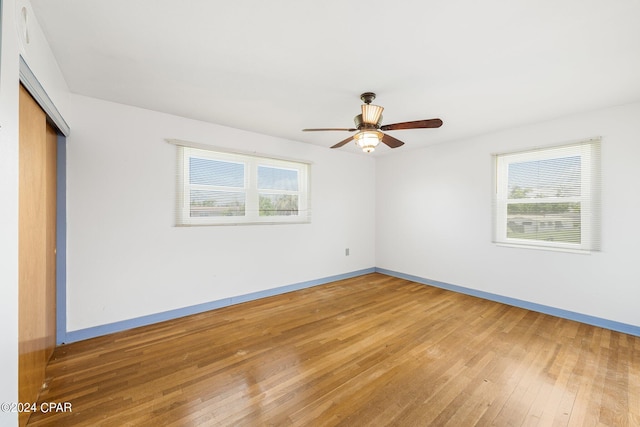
x,y
36,248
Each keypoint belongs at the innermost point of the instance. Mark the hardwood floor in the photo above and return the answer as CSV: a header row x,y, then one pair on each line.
x,y
373,350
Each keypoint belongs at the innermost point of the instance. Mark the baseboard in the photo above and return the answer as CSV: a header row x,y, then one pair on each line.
x,y
553,311
83,334
96,331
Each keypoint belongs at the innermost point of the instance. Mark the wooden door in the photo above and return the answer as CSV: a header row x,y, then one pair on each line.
x,y
36,248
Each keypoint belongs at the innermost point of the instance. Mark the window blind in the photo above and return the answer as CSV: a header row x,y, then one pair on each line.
x,y
215,187
549,197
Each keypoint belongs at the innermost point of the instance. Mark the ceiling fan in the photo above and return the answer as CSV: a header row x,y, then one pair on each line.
x,y
368,125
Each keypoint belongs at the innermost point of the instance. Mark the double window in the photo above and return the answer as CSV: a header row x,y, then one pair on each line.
x,y
217,187
549,197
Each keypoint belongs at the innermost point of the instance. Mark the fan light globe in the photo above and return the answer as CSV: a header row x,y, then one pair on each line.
x,y
368,140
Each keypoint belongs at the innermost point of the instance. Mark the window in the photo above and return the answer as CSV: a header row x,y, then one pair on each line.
x,y
549,197
216,187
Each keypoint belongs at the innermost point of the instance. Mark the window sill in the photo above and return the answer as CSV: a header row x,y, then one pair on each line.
x,y
545,248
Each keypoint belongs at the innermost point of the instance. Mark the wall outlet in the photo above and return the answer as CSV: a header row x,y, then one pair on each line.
x,y
346,252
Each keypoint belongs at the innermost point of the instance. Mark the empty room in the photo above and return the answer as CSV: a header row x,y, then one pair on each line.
x,y
292,213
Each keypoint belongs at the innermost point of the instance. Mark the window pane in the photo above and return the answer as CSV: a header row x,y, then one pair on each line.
x,y
216,203
271,178
216,172
223,188
278,204
559,177
554,222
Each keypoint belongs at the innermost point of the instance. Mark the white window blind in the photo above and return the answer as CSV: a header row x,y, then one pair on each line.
x,y
549,197
223,188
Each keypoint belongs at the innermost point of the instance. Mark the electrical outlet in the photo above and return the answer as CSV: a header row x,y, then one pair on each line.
x,y
346,252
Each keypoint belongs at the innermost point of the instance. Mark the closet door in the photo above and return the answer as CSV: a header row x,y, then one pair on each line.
x,y
36,248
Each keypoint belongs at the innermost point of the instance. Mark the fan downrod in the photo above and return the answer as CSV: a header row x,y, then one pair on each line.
x,y
368,97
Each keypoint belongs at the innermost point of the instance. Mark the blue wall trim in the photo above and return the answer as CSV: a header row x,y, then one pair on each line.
x,y
110,328
83,334
558,312
61,240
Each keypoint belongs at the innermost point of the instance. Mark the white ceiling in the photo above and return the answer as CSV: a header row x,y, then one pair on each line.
x,y
278,66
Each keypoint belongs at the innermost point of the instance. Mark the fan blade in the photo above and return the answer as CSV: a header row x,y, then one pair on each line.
x,y
418,124
322,129
391,141
341,143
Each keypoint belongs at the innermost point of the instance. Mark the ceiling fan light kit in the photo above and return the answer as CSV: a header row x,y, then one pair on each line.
x,y
368,140
368,125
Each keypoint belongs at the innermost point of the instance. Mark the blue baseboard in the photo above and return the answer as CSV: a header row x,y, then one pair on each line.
x,y
83,334
565,314
110,328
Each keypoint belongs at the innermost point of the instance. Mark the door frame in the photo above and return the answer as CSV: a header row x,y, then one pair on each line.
x,y
39,94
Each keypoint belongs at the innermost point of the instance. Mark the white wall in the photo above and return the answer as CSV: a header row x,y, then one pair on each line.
x,y
8,214
434,220
126,259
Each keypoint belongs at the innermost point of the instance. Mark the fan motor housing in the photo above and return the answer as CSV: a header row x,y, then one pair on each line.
x,y
361,125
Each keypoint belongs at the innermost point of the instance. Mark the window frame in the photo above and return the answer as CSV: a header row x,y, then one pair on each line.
x,y
588,152
250,188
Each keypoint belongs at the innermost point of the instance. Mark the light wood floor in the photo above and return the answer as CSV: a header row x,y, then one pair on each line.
x,y
372,350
